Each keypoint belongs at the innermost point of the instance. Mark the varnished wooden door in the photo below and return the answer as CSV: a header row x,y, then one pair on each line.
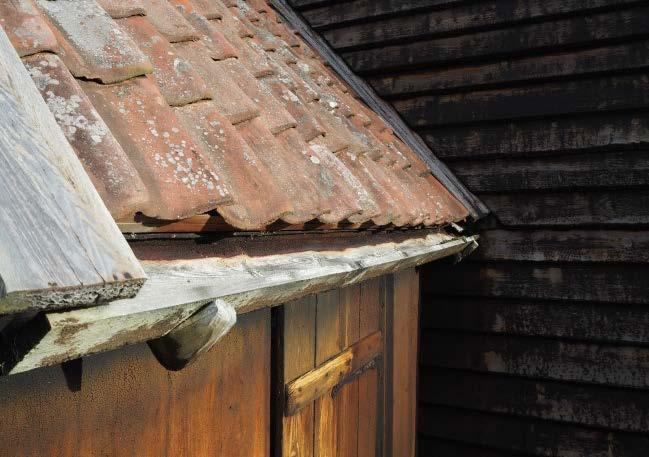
x,y
339,393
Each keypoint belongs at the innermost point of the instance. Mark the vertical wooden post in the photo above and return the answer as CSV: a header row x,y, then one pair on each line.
x,y
401,331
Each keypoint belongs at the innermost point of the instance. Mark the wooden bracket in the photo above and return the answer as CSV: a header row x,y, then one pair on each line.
x,y
194,336
337,371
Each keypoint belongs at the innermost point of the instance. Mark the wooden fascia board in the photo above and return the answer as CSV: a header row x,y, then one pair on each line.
x,y
59,245
476,208
176,290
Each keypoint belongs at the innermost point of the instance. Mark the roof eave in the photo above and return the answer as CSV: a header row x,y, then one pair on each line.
x,y
177,290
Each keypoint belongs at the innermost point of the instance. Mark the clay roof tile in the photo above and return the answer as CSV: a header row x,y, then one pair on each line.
x,y
180,107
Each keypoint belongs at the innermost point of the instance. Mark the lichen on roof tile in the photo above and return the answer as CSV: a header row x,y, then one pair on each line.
x,y
188,106
27,30
103,158
175,170
169,22
284,166
178,81
257,201
120,9
92,45
227,94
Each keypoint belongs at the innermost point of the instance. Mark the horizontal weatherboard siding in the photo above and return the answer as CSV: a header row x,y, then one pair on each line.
x,y
537,343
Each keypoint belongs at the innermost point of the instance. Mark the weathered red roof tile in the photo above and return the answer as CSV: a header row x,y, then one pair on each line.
x,y
25,27
307,125
257,201
227,94
260,130
92,45
169,22
119,8
284,165
103,158
178,81
179,175
276,117
207,8
219,46
331,189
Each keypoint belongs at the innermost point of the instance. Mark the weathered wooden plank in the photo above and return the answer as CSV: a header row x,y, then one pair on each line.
x,y
363,10
61,248
177,289
405,328
298,357
463,18
539,137
591,406
629,56
584,322
368,384
601,208
328,343
194,336
322,379
613,365
520,40
540,100
348,399
530,437
614,283
127,404
564,246
383,109
570,172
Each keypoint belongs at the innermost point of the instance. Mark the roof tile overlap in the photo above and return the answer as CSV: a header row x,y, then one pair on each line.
x,y
26,28
179,107
92,45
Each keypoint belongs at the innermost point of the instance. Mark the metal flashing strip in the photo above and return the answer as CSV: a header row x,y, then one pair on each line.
x,y
476,207
177,289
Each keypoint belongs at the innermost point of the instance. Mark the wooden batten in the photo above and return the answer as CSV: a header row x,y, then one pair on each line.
x,y
178,289
335,372
60,246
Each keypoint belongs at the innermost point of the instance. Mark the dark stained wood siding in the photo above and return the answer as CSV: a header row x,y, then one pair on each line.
x,y
538,343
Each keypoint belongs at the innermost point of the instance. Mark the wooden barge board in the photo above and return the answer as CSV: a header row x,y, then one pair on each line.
x,y
179,288
60,247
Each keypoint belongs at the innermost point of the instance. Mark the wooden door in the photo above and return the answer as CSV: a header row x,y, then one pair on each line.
x,y
338,377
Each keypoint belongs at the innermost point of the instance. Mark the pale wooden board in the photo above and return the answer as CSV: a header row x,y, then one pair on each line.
x,y
328,343
177,289
322,379
59,246
298,349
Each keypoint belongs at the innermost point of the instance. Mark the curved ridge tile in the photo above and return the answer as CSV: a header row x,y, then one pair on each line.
x,y
178,81
103,158
181,179
91,44
28,32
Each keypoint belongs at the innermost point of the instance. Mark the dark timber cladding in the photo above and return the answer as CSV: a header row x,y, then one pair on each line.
x,y
537,344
